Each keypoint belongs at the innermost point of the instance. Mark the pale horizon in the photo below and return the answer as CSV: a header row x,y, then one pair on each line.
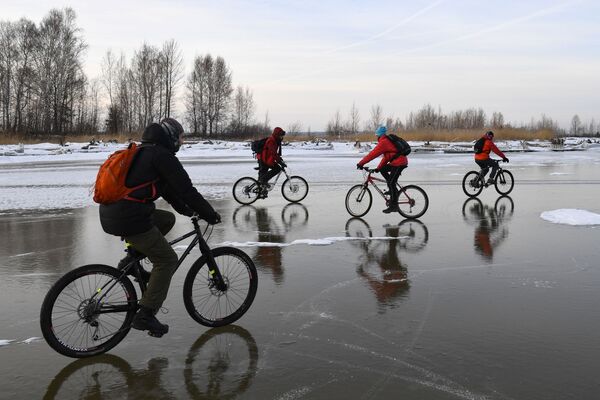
x,y
304,60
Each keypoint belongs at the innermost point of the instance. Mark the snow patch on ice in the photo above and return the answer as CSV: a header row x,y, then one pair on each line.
x,y
31,340
571,216
311,242
4,342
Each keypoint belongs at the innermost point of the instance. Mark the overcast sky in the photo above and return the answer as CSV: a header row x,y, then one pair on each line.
x,y
305,59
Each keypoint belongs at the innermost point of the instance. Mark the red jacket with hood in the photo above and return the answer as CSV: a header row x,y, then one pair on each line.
x,y
488,146
271,153
386,147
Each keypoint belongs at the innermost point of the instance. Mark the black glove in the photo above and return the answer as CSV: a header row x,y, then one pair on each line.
x,y
284,165
505,159
188,212
214,218
358,166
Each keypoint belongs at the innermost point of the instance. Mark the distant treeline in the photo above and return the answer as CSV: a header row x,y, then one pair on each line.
x,y
45,93
428,121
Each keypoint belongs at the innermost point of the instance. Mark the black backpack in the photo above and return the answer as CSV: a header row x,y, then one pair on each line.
x,y
478,146
402,145
257,146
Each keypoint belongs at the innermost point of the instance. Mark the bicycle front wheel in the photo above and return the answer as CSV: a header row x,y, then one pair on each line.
x,y
210,306
358,200
412,201
88,311
504,182
246,190
294,189
472,184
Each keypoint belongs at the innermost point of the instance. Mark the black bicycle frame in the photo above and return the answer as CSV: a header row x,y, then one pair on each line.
x,y
214,272
498,172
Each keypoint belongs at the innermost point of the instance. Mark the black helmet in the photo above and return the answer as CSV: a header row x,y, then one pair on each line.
x,y
174,130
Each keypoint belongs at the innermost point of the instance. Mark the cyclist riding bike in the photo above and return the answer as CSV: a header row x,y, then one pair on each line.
x,y
158,173
269,159
483,158
390,166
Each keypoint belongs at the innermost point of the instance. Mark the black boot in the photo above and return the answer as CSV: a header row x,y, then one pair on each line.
x,y
144,275
391,208
145,320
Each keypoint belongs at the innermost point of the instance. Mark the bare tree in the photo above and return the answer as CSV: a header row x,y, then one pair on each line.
x,y
243,109
294,128
353,119
197,97
376,117
220,91
575,125
497,120
172,74
335,126
109,66
145,68
7,66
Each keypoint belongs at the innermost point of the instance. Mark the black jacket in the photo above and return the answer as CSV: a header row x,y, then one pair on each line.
x,y
155,160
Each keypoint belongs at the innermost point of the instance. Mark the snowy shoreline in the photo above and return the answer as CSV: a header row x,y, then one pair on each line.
x,y
45,152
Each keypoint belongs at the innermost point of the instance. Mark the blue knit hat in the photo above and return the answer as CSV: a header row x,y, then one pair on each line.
x,y
382,130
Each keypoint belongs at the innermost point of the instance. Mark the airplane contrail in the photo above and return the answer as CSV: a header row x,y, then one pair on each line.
x,y
537,14
385,32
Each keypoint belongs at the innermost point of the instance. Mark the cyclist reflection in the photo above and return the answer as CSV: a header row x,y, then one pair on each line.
x,y
220,365
380,264
490,223
270,230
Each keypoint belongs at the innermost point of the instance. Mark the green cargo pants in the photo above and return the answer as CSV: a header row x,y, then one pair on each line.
x,y
162,256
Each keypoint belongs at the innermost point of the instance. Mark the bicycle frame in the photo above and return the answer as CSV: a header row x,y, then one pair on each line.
x,y
272,185
498,173
214,272
370,180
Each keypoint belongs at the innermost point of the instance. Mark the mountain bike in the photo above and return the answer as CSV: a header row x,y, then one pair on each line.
x,y
412,200
474,181
90,310
247,189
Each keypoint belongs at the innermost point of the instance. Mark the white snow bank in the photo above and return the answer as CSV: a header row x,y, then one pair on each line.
x,y
570,216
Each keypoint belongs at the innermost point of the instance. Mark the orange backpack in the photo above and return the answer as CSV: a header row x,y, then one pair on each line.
x,y
110,181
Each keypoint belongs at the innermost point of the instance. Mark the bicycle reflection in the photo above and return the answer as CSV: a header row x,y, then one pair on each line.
x,y
268,229
490,223
380,265
220,365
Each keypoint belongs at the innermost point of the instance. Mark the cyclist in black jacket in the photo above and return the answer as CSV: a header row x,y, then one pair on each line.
x,y
137,220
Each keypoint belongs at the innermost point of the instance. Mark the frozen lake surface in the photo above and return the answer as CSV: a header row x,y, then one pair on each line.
x,y
479,299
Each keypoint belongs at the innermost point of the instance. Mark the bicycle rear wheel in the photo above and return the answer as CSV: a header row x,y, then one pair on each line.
x,y
472,184
88,311
246,190
358,200
504,182
294,189
212,307
412,201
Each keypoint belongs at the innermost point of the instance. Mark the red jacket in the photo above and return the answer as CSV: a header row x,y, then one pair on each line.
x,y
386,147
488,146
271,153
